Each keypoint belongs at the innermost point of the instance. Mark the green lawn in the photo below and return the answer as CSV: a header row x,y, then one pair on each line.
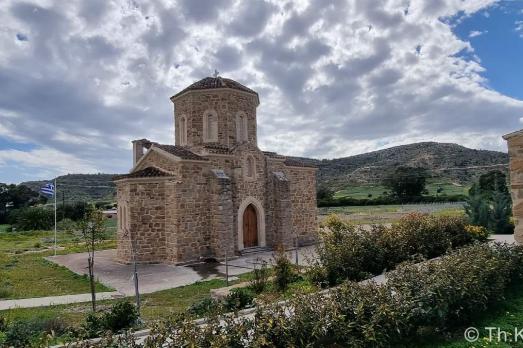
x,y
25,273
376,190
154,306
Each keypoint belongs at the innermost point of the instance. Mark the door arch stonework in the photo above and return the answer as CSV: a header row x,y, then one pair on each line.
x,y
260,217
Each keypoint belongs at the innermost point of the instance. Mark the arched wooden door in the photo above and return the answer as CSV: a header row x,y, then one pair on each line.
x,y
250,227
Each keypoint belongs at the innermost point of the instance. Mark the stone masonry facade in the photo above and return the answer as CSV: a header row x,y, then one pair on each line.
x,y
194,200
515,152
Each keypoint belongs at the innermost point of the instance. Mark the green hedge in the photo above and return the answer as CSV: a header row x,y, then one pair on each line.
x,y
351,252
384,200
429,297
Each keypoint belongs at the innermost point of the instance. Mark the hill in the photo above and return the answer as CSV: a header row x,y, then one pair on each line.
x,y
450,163
443,161
80,187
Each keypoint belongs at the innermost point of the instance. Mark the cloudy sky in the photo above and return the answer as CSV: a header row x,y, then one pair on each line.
x,y
80,79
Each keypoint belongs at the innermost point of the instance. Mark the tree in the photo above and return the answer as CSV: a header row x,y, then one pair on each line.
x,y
494,181
489,203
324,193
92,229
478,210
16,197
406,182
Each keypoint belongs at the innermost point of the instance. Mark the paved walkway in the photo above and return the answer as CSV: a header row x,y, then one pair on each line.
x,y
55,300
156,277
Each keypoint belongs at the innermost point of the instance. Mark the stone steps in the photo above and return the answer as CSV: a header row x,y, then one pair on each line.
x,y
254,250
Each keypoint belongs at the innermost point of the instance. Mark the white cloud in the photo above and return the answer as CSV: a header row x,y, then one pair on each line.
x,y
519,28
48,161
335,78
475,33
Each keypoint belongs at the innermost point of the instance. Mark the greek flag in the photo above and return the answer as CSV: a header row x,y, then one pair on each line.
x,y
48,189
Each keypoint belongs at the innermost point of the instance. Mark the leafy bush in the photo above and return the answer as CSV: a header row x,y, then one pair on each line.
x,y
284,273
204,307
477,232
33,218
260,278
22,333
436,295
122,315
66,225
74,211
238,299
355,253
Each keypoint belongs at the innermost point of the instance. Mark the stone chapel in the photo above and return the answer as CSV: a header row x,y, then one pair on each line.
x,y
214,191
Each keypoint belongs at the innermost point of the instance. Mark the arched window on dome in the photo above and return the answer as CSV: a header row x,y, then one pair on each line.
x,y
241,127
182,131
210,126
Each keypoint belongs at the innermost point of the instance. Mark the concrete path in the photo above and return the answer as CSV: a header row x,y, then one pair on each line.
x,y
504,238
156,277
152,278
55,300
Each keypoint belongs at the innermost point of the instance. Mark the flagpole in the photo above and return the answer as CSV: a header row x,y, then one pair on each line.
x,y
55,192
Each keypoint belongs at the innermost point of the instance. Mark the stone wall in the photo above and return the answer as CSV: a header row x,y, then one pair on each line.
x,y
515,151
222,218
227,103
303,198
191,202
123,243
144,202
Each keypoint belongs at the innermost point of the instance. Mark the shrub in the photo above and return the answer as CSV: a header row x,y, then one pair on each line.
x,y
204,307
22,333
435,295
122,315
239,298
355,253
284,273
33,218
347,252
67,225
477,232
260,278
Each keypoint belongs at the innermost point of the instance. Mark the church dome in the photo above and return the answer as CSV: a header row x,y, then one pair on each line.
x,y
213,83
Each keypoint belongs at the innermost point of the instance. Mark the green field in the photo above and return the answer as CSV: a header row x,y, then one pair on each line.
x,y
363,191
25,273
382,214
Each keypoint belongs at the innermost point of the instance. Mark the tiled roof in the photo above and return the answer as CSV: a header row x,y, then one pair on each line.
x,y
180,151
272,154
215,82
149,172
295,163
